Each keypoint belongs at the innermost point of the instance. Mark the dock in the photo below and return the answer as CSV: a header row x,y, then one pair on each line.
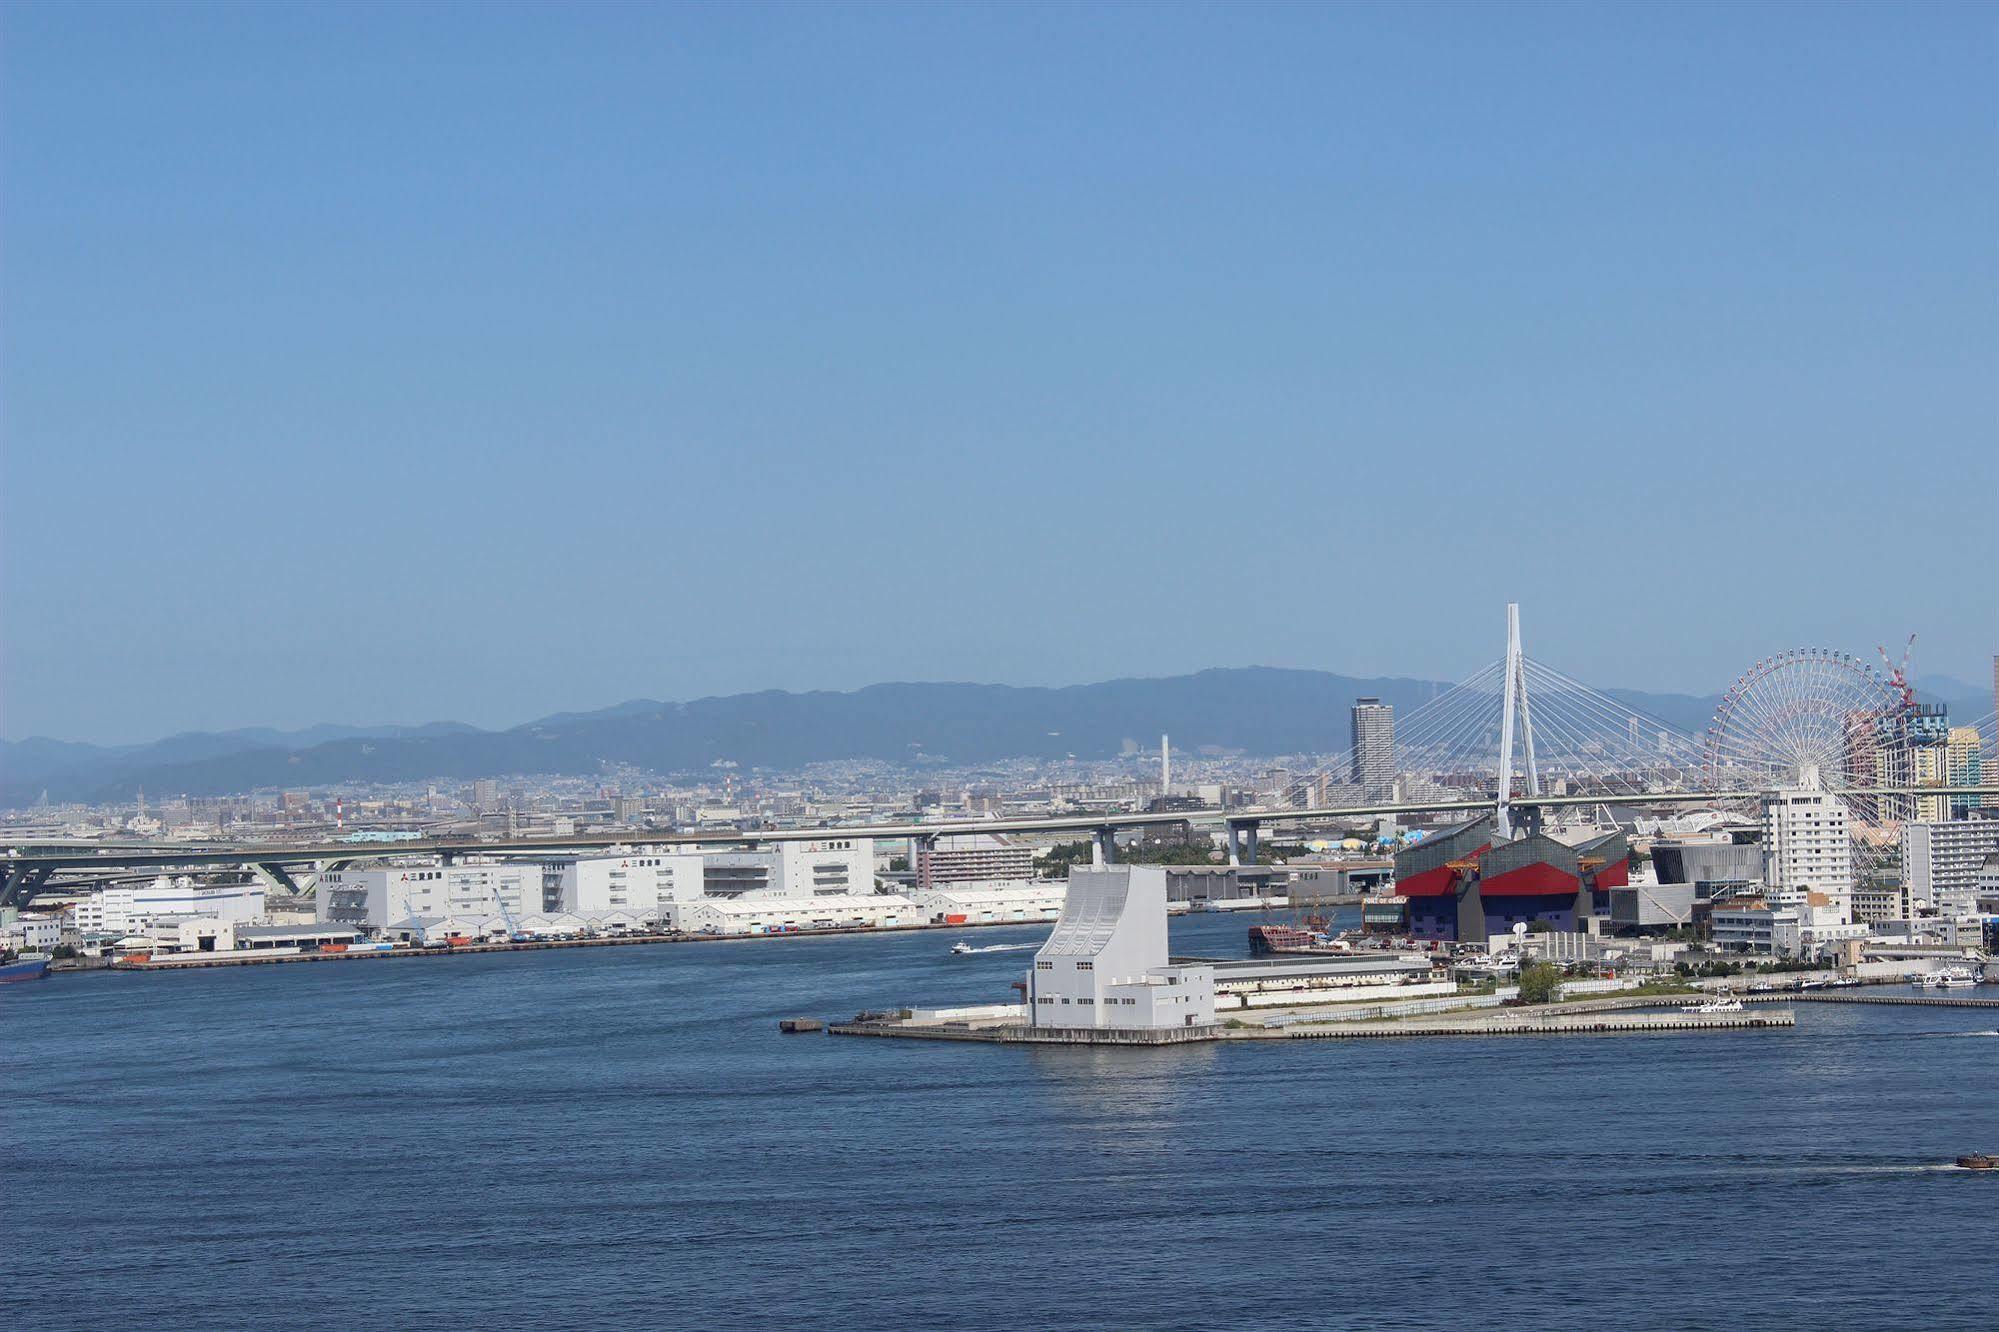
x,y
1861,997
1532,1022
1539,1024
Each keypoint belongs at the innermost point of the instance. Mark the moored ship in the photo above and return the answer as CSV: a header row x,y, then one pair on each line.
x,y
23,969
1267,939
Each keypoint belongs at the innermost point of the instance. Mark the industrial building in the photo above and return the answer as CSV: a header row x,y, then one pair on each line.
x,y
1467,883
134,908
991,903
754,914
640,882
976,859
1710,867
1655,906
1262,982
834,867
1105,963
377,897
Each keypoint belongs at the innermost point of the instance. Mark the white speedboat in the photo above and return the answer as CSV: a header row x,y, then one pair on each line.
x,y
961,948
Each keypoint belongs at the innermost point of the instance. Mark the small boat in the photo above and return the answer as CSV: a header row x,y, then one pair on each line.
x,y
1978,1161
961,948
1721,1003
1950,978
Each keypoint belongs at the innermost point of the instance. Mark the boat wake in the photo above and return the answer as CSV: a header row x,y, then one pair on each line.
x,y
963,950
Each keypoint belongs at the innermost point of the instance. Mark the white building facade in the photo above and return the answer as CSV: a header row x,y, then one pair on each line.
x,y
378,897
991,903
1942,862
643,882
133,909
752,914
1806,842
830,867
981,858
1106,964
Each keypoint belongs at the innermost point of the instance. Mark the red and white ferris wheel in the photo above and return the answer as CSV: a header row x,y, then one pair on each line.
x,y
1807,717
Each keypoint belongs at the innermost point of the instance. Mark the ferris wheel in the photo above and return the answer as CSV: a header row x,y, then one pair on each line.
x,y
1808,717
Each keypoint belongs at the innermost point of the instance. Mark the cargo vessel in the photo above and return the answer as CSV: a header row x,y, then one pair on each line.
x,y
1267,939
23,969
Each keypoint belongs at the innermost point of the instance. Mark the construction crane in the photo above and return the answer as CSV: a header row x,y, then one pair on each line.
x,y
514,932
1898,676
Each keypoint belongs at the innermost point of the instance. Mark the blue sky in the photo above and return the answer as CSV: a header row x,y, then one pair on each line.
x,y
378,364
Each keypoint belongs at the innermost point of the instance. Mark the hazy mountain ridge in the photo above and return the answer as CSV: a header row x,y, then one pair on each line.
x,y
1250,709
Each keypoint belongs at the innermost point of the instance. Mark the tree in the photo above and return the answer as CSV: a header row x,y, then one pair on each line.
x,y
1538,981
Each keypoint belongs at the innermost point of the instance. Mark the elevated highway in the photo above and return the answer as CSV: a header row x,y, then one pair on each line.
x,y
31,865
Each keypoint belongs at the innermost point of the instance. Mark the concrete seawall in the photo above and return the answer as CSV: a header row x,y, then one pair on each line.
x,y
1541,1023
1857,997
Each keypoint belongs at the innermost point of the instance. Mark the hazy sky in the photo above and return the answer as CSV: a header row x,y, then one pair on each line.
x,y
400,363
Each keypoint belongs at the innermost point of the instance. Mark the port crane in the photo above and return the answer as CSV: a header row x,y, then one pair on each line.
x,y
514,932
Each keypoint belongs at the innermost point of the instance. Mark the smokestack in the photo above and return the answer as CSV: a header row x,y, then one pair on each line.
x,y
1165,767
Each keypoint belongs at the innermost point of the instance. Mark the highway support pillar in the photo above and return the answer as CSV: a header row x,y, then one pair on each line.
x,y
278,879
1103,847
1242,841
22,883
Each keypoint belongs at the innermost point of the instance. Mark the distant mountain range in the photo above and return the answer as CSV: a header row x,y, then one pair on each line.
x,y
1255,710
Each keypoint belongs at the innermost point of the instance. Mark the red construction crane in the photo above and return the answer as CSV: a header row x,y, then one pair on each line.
x,y
1898,676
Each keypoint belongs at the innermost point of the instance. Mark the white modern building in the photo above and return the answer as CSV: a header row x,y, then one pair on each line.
x,y
1988,886
377,897
1941,862
133,909
1105,963
988,903
1806,842
833,867
31,934
979,858
642,881
753,914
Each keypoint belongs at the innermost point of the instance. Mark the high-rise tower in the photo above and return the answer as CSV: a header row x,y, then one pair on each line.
x,y
1373,746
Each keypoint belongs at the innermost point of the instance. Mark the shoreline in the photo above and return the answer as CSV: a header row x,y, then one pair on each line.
x,y
207,961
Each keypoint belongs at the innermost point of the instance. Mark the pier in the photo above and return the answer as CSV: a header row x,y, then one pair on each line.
x,y
1860,997
1551,1021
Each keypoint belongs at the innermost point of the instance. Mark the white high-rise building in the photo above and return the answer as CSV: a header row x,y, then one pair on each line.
x,y
1806,842
1941,862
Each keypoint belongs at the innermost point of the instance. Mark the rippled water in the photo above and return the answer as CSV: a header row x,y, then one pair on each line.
x,y
621,1135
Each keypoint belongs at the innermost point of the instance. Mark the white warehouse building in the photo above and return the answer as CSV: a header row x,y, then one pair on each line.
x,y
132,909
752,914
374,898
1105,964
832,867
989,903
641,882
